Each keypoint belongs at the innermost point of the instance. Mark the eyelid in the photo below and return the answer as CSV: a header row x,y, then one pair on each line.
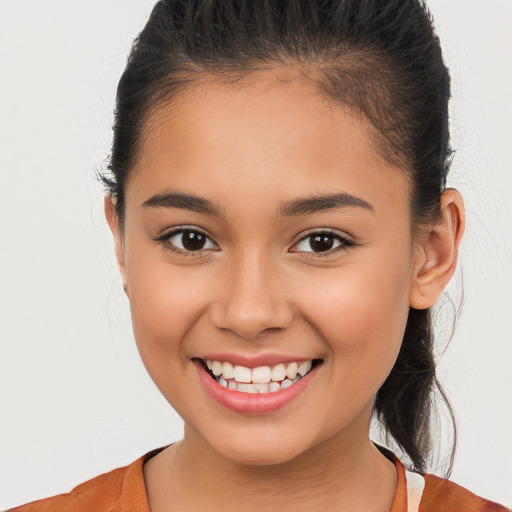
x,y
347,242
164,237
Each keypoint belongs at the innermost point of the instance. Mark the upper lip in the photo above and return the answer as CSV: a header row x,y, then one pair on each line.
x,y
253,361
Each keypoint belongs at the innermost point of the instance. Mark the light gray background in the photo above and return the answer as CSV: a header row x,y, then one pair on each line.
x,y
75,399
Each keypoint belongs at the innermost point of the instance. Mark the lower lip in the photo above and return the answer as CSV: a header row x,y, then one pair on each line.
x,y
253,403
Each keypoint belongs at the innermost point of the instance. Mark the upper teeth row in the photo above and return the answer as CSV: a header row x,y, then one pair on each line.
x,y
261,374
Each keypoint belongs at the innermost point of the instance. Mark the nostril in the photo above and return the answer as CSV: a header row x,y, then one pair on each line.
x,y
252,322
252,299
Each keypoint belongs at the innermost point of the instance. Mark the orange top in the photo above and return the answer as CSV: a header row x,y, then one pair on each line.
x,y
123,490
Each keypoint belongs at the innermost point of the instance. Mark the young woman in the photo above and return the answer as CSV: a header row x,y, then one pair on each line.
x,y
282,225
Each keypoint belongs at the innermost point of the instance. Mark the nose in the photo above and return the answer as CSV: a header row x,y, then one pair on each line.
x,y
252,297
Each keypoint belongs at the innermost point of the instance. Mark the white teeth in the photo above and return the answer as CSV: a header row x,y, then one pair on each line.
x,y
247,388
216,368
242,374
227,370
262,379
262,388
261,375
286,384
278,372
305,367
274,386
291,371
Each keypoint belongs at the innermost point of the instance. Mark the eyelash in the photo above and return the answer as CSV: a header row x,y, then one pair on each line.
x,y
165,240
344,243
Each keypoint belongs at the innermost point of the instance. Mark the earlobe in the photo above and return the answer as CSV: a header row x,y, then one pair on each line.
x,y
115,226
436,252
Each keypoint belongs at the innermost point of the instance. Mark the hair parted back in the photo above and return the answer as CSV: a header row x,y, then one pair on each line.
x,y
379,57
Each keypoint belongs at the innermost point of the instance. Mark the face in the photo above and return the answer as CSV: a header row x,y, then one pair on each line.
x,y
263,231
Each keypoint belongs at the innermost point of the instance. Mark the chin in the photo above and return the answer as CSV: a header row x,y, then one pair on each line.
x,y
259,456
261,449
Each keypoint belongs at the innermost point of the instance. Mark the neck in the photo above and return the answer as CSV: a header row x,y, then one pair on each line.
x,y
345,472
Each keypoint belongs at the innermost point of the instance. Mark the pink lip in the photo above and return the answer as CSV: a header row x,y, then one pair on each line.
x,y
248,403
253,362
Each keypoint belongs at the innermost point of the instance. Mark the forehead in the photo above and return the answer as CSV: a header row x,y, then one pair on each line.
x,y
272,130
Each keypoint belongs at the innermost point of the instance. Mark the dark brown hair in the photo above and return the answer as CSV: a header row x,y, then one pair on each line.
x,y
379,57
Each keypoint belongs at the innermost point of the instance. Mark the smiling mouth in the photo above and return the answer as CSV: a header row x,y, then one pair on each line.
x,y
262,379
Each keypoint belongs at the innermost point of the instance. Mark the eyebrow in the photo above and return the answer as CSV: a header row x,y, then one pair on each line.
x,y
321,203
183,201
296,207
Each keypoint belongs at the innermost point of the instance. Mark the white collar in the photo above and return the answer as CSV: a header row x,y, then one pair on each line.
x,y
415,485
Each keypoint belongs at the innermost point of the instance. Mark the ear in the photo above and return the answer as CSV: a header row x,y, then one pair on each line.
x,y
116,228
436,252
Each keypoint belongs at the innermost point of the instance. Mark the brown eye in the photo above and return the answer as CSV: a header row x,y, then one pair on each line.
x,y
322,242
189,240
193,241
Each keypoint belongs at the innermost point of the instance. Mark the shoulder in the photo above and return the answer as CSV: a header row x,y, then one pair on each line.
x,y
121,489
423,492
441,495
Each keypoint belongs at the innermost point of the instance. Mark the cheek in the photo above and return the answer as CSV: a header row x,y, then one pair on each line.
x,y
361,313
166,302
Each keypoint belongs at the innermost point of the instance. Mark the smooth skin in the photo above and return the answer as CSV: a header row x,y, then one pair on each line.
x,y
259,286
